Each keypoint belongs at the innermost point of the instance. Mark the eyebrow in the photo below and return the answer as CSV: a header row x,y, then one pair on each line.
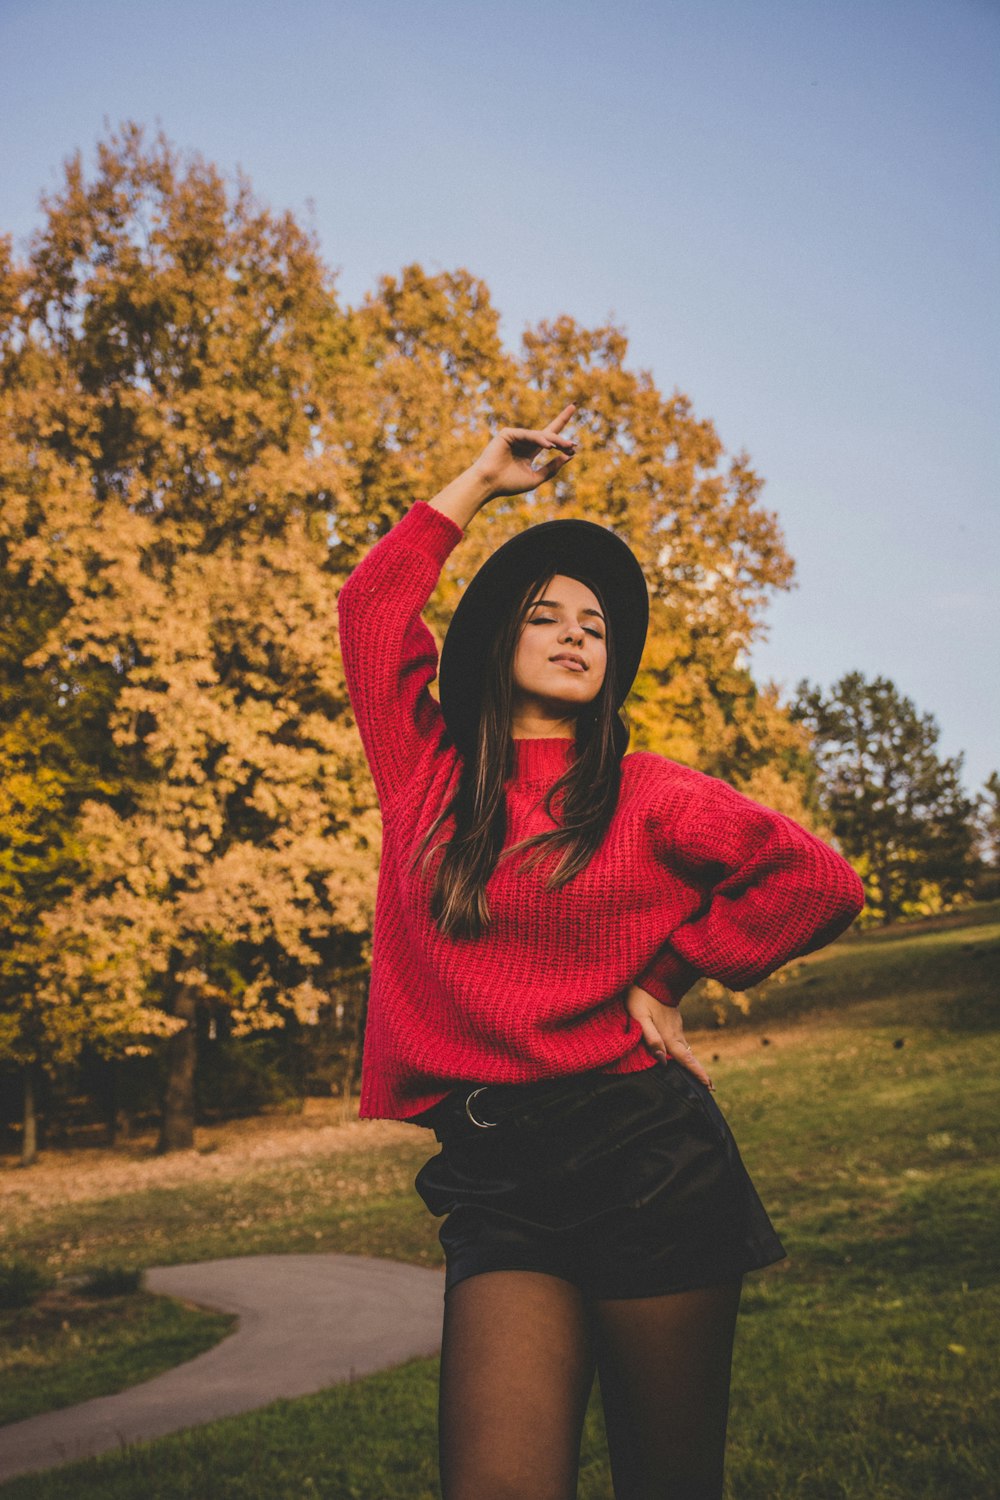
x,y
554,604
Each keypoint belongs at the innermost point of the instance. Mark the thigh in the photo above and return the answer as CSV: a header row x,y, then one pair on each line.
x,y
517,1366
664,1367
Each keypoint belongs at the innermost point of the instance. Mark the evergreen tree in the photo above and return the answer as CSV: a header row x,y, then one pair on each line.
x,y
897,807
988,829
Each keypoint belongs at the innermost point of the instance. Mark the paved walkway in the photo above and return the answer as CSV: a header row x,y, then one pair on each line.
x,y
305,1322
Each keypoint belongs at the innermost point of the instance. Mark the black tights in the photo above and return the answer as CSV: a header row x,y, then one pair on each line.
x,y
518,1357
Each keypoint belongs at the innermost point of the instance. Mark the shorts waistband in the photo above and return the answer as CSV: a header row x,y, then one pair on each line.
x,y
489,1104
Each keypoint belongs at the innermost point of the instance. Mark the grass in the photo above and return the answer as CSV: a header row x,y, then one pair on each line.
x,y
863,1366
948,961
66,1347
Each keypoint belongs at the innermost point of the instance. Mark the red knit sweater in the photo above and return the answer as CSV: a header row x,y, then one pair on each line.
x,y
692,879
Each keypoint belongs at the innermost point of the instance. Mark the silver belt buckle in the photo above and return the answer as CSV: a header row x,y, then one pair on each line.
x,y
483,1124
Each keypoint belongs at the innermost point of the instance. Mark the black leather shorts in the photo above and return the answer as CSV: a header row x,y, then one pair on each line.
x,y
628,1185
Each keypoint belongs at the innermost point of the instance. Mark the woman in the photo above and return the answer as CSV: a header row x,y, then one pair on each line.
x,y
598,1215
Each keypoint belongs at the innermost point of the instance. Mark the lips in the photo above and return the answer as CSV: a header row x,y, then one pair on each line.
x,y
575,663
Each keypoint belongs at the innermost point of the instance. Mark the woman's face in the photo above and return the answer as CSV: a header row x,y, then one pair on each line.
x,y
565,621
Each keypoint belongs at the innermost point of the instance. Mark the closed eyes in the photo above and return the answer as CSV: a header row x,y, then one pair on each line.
x,y
540,620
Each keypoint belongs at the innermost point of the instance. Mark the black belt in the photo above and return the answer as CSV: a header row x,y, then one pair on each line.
x,y
483,1124
508,1098
505,1098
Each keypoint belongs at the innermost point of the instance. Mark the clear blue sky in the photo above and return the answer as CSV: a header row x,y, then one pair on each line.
x,y
792,207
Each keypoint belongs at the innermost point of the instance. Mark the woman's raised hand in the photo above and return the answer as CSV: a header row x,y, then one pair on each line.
x,y
506,462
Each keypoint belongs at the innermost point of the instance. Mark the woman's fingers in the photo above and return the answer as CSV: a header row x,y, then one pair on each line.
x,y
666,1040
687,1059
541,439
554,457
518,459
663,1031
551,447
546,440
558,423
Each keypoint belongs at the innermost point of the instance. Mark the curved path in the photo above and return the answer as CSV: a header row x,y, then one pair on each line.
x,y
305,1322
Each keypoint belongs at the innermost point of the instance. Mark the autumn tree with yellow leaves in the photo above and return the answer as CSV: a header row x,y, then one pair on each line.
x,y
199,443
167,474
435,378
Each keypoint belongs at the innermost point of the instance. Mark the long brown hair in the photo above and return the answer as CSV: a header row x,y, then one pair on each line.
x,y
589,787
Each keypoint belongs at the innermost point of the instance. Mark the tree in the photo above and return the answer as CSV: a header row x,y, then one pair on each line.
x,y
989,819
52,755
197,444
896,806
988,832
38,859
167,472
432,377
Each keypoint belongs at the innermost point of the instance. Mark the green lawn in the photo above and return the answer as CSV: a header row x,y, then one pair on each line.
x,y
864,1364
68,1348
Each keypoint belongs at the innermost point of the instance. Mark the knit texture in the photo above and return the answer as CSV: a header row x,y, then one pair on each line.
x,y
692,879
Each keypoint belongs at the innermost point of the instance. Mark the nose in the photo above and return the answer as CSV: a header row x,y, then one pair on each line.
x,y
573,633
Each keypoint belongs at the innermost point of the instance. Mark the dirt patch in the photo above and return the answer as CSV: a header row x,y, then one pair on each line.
x,y
222,1152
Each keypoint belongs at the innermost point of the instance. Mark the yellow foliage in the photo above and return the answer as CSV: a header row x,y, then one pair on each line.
x,y
197,444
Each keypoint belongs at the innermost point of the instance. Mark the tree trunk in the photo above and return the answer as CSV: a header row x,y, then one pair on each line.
x,y
890,909
29,1135
177,1122
116,1118
346,1092
358,1008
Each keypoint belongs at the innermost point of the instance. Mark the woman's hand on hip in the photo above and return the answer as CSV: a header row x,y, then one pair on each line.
x,y
663,1031
506,462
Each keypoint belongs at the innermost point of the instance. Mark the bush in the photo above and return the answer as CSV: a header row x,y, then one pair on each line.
x,y
111,1281
22,1283
240,1076
987,884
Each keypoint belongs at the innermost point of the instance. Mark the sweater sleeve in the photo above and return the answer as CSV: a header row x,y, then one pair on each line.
x,y
390,656
772,890
668,977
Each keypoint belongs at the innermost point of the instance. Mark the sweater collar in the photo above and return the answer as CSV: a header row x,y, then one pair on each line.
x,y
542,760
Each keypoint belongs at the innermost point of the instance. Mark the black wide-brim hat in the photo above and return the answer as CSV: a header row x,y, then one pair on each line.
x,y
579,549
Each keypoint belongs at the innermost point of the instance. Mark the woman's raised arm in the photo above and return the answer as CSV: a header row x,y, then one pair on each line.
x,y
390,657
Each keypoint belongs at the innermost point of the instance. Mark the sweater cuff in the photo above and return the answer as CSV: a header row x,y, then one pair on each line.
x,y
429,531
668,978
